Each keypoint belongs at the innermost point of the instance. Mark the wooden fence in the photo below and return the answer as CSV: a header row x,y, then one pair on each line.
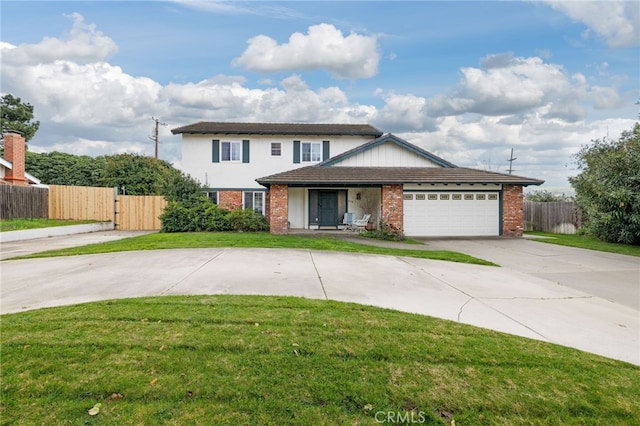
x,y
23,202
558,217
128,212
81,203
139,212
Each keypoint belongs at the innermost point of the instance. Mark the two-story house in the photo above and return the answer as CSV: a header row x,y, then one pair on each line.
x,y
308,176
228,157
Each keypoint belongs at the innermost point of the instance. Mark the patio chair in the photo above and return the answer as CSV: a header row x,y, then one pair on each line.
x,y
347,221
360,225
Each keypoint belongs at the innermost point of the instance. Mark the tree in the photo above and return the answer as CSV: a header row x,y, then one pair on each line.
x,y
545,196
58,168
136,174
608,187
18,117
131,173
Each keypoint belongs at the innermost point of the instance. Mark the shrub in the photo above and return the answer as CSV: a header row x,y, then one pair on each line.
x,y
214,219
206,216
386,232
247,220
177,218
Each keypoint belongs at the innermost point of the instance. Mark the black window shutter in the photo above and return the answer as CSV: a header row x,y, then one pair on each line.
x,y
296,151
215,157
325,150
245,151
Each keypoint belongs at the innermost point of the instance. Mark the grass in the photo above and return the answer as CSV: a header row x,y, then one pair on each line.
x,y
249,360
157,241
22,224
586,242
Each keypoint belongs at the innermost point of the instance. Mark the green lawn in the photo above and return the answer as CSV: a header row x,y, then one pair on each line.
x,y
249,360
586,242
157,241
22,224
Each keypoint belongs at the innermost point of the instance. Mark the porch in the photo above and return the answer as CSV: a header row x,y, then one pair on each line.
x,y
295,208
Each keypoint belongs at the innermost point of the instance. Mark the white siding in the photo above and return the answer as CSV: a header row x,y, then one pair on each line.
x,y
387,155
197,158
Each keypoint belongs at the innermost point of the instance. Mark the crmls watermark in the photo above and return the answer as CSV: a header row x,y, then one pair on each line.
x,y
401,417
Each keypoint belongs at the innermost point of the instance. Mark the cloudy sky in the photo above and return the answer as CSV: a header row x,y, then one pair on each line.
x,y
467,81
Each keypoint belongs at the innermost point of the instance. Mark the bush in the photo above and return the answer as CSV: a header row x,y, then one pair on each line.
x,y
214,219
206,216
247,220
176,218
386,232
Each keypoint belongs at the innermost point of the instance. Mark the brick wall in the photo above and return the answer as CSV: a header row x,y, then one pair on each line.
x,y
230,200
279,209
512,211
14,147
392,212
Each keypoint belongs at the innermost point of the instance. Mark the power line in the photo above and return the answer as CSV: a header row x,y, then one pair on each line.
x,y
155,134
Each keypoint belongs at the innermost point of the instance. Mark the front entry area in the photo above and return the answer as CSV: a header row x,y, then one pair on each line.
x,y
326,207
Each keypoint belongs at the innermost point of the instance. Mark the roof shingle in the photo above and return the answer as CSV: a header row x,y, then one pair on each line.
x,y
207,127
323,175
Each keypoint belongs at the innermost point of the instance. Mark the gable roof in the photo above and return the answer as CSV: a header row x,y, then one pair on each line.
x,y
324,175
387,138
207,127
7,164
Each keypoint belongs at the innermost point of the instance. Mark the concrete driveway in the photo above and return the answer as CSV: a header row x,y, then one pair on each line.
x,y
521,302
611,276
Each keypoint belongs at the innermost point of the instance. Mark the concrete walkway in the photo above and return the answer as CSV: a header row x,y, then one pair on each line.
x,y
503,299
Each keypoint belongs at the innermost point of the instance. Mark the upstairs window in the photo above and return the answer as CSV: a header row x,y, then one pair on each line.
x,y
276,149
230,151
311,152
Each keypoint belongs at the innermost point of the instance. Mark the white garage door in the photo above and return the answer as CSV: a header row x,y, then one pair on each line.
x,y
440,214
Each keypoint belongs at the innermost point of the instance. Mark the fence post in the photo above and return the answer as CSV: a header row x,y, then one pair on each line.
x,y
115,208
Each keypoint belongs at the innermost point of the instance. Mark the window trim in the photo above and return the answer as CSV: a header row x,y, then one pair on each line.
x,y
238,152
271,146
217,196
253,200
311,153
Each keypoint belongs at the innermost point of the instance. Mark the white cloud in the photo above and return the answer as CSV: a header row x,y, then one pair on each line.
x,y
507,85
618,22
323,47
404,111
224,7
83,44
83,94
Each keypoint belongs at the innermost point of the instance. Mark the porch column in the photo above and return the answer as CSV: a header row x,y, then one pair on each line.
x,y
392,212
512,211
279,209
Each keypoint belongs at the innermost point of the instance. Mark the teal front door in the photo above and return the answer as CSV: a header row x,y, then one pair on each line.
x,y
328,208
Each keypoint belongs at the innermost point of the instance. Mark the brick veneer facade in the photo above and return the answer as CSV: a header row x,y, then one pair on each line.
x,y
392,208
14,147
512,211
230,200
392,212
279,209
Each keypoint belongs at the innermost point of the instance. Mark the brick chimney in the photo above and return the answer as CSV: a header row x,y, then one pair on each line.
x,y
14,148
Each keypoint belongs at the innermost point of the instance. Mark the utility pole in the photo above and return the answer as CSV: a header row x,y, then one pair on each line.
x,y
511,160
155,134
